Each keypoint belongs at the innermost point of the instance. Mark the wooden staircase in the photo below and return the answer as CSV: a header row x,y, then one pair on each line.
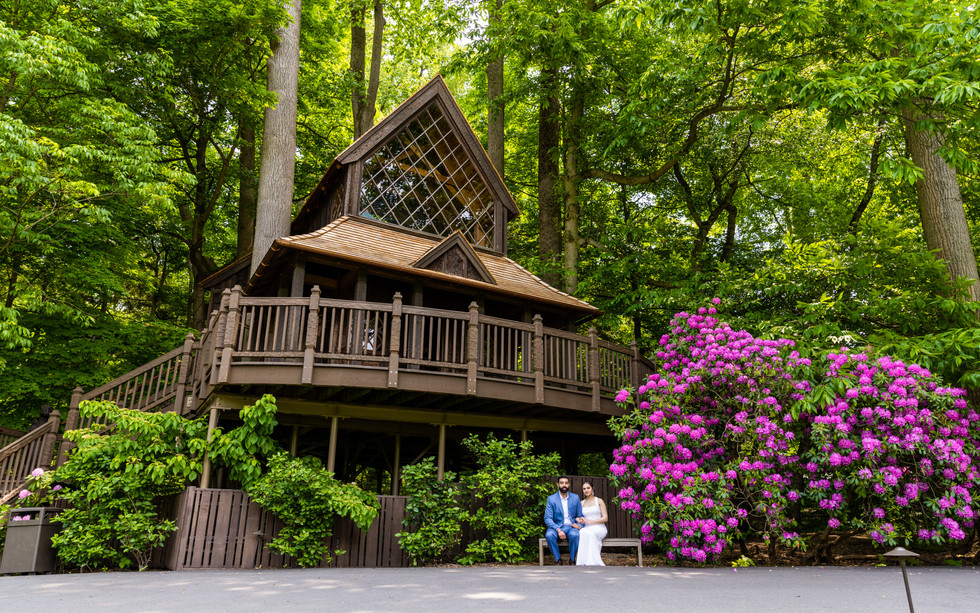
x,y
156,386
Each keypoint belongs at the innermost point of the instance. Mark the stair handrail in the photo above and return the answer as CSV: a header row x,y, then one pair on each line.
x,y
48,436
121,380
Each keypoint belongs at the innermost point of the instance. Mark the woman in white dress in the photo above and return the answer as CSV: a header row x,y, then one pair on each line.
x,y
593,528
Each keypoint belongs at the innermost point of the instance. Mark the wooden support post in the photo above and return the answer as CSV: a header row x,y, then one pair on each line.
x,y
394,347
294,441
523,436
360,288
299,278
206,464
49,440
184,375
442,452
472,347
332,451
230,332
359,333
312,327
219,334
594,367
635,366
538,358
396,467
71,423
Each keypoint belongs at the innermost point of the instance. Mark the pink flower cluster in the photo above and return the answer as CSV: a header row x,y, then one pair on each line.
x,y
732,438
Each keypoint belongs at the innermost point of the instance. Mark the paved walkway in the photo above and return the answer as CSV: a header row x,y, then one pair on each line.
x,y
479,590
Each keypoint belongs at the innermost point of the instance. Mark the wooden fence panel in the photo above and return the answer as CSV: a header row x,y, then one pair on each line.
x,y
221,528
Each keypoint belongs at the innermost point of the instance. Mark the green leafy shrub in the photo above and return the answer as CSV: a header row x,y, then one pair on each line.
x,y
307,499
116,479
433,515
114,482
4,518
511,489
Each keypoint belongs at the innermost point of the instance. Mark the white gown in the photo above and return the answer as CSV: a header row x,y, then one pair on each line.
x,y
590,538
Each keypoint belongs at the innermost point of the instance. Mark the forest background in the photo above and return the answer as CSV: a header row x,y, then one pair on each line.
x,y
809,162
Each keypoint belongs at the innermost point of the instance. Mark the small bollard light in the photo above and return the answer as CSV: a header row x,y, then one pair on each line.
x,y
901,553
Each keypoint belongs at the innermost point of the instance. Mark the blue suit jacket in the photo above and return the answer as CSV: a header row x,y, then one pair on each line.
x,y
554,517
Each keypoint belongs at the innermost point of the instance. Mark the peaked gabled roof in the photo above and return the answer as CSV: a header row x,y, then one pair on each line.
x,y
455,243
436,89
367,143
361,241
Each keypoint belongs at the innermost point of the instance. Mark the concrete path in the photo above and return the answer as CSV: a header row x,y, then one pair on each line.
x,y
479,590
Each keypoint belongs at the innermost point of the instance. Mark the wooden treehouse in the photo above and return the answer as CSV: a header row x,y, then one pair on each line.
x,y
389,325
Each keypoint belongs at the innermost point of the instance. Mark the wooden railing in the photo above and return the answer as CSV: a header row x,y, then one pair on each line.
x,y
9,435
314,331
33,450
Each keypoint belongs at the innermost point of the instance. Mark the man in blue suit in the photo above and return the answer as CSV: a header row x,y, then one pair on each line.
x,y
560,515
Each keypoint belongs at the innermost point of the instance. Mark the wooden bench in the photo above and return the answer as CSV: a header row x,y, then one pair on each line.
x,y
608,542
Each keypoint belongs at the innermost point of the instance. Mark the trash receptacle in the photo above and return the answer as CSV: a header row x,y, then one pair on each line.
x,y
28,546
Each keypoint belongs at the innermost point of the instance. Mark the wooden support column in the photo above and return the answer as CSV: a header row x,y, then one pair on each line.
x,y
294,441
71,423
472,347
49,440
396,467
231,330
299,278
332,451
184,375
360,289
359,333
441,458
594,367
312,327
219,335
206,465
523,436
635,366
394,348
538,358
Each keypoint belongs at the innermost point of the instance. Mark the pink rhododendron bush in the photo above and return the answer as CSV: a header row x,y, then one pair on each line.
x,y
737,438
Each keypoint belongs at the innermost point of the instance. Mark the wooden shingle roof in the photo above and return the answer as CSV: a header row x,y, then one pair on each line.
x,y
395,249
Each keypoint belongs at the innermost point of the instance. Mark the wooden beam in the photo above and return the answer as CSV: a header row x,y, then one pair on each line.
x,y
227,402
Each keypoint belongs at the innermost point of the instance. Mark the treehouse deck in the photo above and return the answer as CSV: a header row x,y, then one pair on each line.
x,y
383,361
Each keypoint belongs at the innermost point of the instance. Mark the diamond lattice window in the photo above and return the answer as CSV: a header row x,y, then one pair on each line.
x,y
423,179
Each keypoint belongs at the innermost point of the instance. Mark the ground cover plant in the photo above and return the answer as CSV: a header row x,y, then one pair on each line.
x,y
737,437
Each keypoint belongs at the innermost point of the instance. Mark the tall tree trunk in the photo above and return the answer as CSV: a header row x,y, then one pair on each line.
x,y
358,53
278,158
726,250
370,101
549,207
571,179
495,104
940,202
246,187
